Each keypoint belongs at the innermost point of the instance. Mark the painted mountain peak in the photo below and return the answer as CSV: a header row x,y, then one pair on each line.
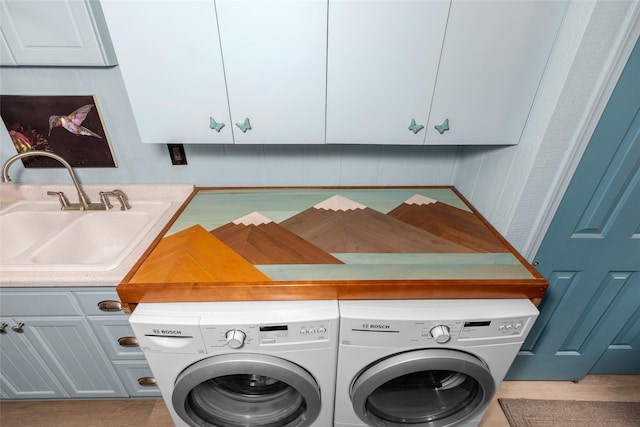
x,y
261,241
419,199
448,222
363,230
339,203
254,218
194,255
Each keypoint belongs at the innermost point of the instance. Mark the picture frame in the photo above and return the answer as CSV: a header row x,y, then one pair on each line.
x,y
70,126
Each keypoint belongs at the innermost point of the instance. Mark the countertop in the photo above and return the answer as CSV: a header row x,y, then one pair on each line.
x,y
13,192
329,243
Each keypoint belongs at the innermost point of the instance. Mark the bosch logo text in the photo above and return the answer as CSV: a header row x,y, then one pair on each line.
x,y
166,332
367,326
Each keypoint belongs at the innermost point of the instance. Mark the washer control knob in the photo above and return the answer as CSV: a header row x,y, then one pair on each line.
x,y
441,334
235,338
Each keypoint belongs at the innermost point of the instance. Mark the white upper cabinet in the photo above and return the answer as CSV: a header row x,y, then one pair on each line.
x,y
6,57
411,72
493,59
169,57
222,72
382,64
399,69
54,33
275,65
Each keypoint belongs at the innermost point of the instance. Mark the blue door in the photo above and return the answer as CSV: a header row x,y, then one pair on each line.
x,y
590,317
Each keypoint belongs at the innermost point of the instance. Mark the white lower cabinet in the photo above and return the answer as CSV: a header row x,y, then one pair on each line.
x,y
57,343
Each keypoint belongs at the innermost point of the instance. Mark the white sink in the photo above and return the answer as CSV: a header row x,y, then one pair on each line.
x,y
37,236
21,230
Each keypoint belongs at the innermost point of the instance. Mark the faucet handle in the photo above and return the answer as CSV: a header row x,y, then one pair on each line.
x,y
64,202
104,199
122,197
119,194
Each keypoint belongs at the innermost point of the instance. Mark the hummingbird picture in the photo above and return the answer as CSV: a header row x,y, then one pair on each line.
x,y
73,122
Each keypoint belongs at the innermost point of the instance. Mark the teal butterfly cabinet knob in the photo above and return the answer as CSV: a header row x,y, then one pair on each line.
x,y
244,126
443,127
215,125
415,128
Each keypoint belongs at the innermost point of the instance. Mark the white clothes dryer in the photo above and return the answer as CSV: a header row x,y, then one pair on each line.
x,y
425,362
262,363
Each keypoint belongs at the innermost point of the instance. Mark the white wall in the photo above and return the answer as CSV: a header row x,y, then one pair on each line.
x,y
514,187
519,188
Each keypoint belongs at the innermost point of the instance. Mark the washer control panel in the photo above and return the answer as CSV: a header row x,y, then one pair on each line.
x,y
252,336
494,328
398,333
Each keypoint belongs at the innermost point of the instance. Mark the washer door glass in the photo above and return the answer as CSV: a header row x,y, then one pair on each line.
x,y
422,388
246,390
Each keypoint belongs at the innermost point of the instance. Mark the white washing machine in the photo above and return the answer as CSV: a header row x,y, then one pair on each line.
x,y
242,363
425,362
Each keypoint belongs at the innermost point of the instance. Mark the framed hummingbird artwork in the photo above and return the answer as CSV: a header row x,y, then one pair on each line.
x,y
70,126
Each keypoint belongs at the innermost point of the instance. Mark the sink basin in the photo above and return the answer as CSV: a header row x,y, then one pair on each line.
x,y
21,230
39,236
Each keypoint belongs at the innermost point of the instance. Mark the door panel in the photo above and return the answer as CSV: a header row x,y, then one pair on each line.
x,y
372,94
75,357
24,374
173,70
622,353
591,255
493,58
275,56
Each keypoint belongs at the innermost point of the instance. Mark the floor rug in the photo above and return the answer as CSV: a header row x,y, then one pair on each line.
x,y
570,413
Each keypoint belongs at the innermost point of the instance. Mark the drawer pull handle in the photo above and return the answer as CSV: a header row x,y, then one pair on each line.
x,y
147,381
414,127
443,127
217,126
244,126
3,327
18,327
128,341
110,305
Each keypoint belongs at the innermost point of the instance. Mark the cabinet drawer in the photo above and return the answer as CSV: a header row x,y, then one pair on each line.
x,y
131,372
109,331
89,301
41,303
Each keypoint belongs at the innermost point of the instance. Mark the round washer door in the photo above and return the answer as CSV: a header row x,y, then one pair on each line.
x,y
246,389
430,387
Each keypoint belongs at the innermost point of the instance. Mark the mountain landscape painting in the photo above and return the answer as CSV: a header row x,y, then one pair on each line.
x,y
336,234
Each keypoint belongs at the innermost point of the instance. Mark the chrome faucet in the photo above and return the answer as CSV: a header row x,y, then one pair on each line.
x,y
83,201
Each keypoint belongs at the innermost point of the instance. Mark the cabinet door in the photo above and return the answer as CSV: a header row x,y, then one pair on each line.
x,y
382,64
53,32
73,354
493,59
6,57
169,56
275,65
25,375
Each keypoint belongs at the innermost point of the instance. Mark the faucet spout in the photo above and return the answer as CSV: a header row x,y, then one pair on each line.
x,y
82,198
